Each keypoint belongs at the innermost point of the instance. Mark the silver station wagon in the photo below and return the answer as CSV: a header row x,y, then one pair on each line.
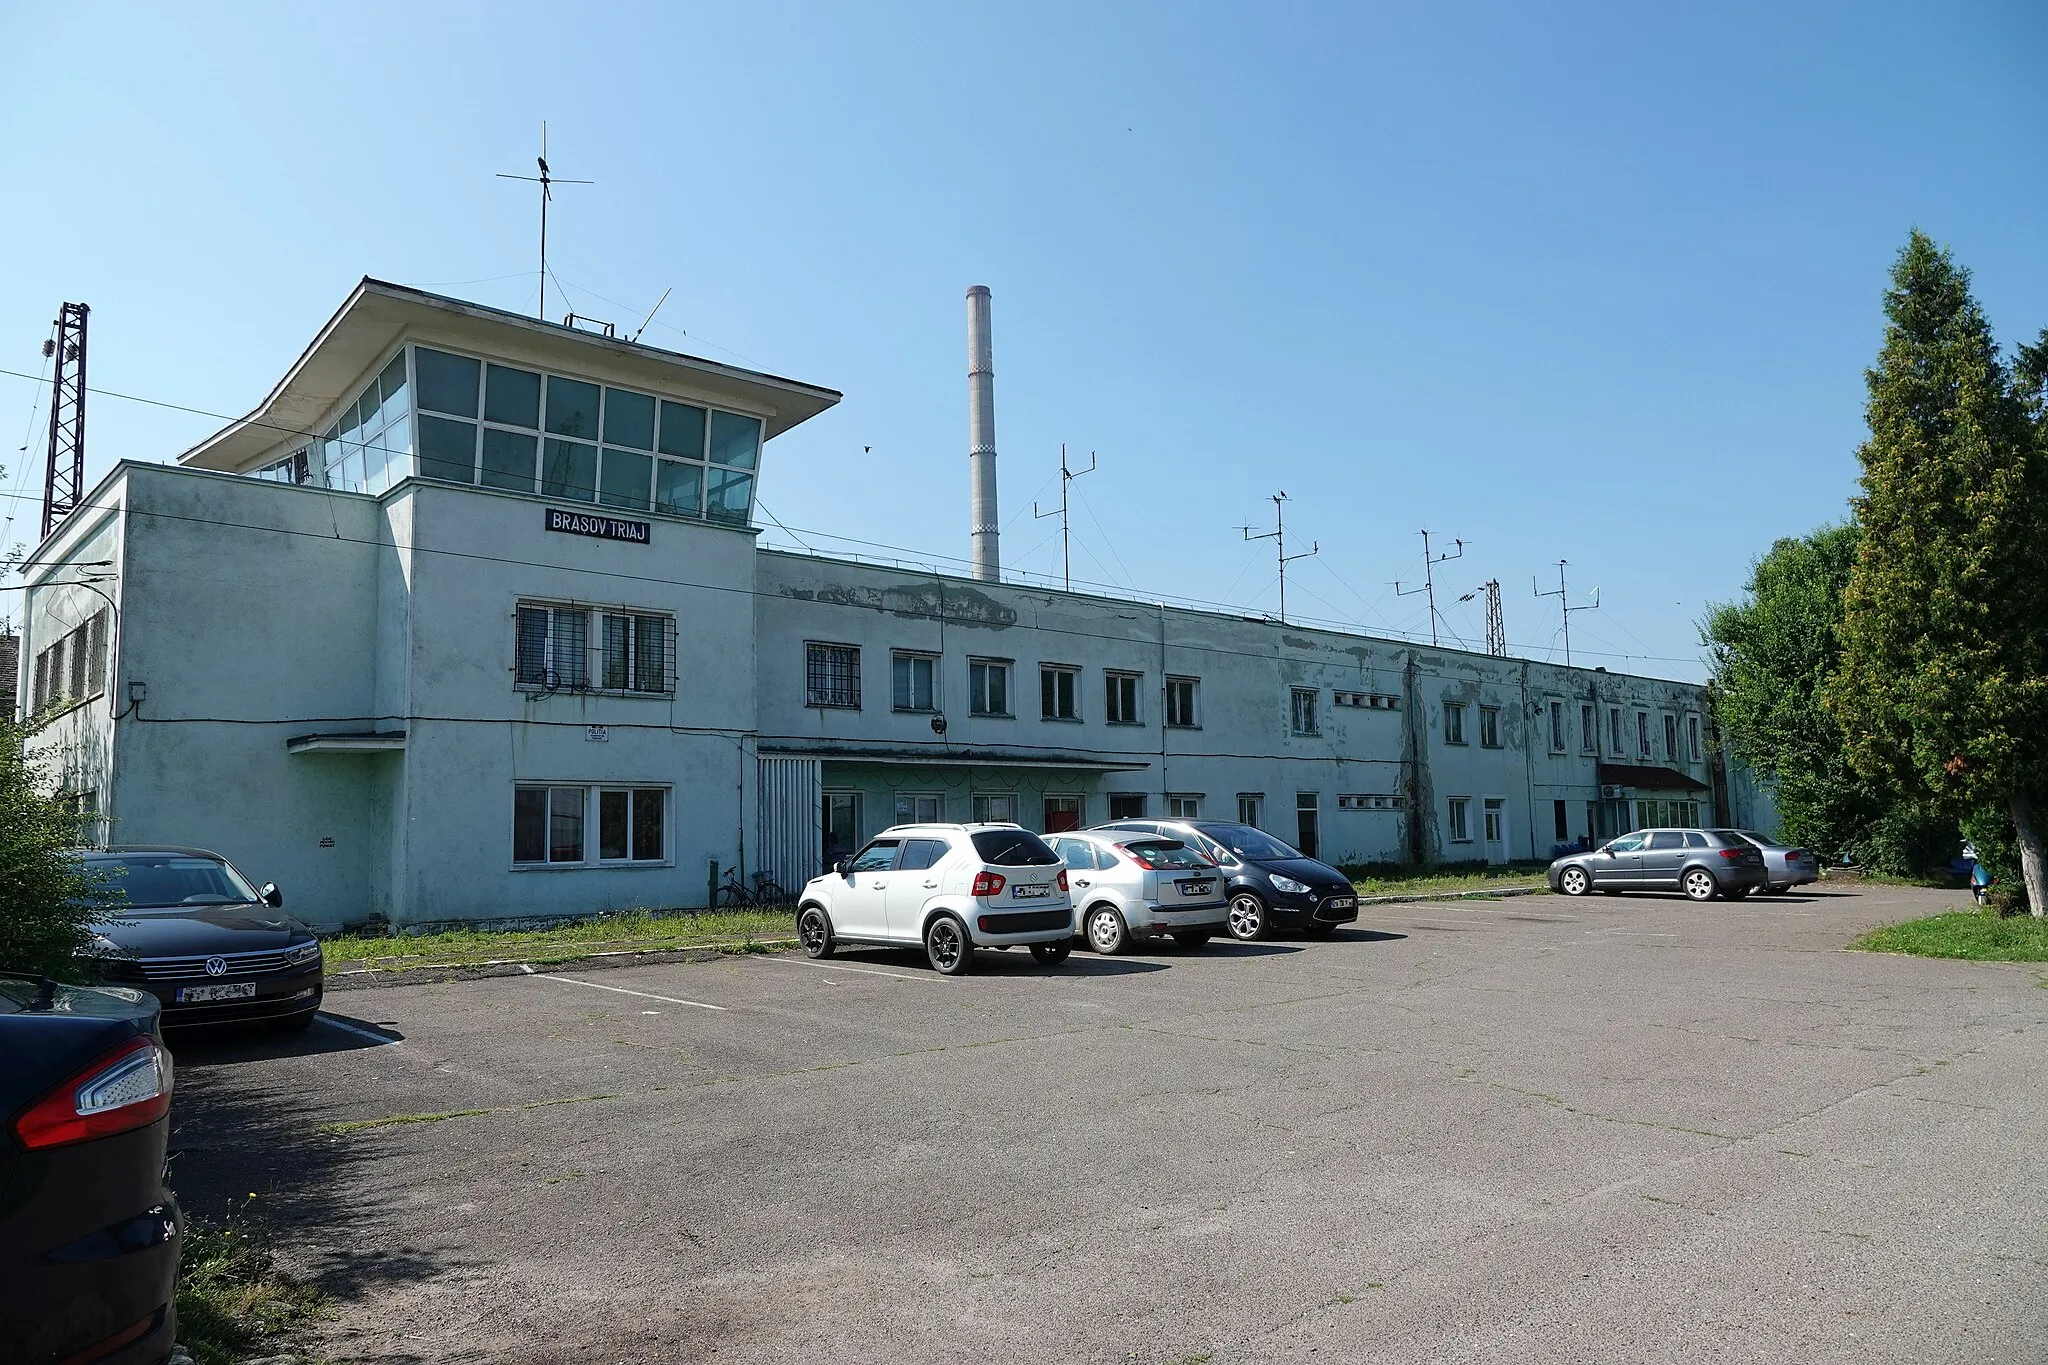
x,y
1703,863
1131,886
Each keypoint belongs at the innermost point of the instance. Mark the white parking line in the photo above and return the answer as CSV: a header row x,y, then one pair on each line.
x,y
835,967
644,995
358,1031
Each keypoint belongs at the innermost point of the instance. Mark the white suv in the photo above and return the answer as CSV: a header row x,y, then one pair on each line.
x,y
951,888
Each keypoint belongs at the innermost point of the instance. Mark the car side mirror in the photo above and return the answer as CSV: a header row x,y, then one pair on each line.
x,y
272,897
839,868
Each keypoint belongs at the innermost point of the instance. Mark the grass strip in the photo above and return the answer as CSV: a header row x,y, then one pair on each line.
x,y
1976,935
233,1302
1403,882
636,931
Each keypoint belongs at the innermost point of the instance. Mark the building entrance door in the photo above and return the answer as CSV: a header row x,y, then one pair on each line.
x,y
1495,827
1305,824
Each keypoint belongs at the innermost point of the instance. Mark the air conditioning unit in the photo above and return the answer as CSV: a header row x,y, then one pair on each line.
x,y
1610,793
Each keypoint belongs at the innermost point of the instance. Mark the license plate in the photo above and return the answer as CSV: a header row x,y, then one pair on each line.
x,y
192,995
1341,902
1197,888
1031,891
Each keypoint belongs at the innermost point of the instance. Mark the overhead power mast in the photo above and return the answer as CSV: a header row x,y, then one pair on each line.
x,y
64,482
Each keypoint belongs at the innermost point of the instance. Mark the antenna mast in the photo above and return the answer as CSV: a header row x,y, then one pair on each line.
x,y
64,482
1278,535
1496,627
1067,476
546,181
1564,605
1429,563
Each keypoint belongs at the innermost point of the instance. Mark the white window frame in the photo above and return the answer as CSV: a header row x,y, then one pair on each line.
x,y
1560,740
1458,829
1493,818
1183,805
903,665
1123,700
912,798
981,808
979,670
1113,797
562,671
1670,737
591,808
1454,723
1303,718
1489,727
830,651
637,624
1255,803
1059,673
1589,728
1183,702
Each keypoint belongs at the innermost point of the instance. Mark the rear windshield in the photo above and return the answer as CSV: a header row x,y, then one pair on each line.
x,y
154,880
1736,836
1247,842
1171,855
1753,837
1013,848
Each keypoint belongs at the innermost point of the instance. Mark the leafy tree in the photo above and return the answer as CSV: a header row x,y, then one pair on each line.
x,y
46,901
1942,692
1772,653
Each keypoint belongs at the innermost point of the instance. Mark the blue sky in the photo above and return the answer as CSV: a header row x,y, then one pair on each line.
x,y
1596,284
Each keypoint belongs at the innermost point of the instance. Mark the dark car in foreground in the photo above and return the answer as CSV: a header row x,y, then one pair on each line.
x,y
1269,885
184,925
88,1230
1784,865
1703,863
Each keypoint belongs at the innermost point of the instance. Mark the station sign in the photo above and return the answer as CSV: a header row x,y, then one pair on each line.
x,y
603,528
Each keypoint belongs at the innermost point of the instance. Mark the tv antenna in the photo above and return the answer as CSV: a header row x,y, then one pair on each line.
x,y
1564,605
1429,563
546,180
1067,476
1496,628
64,479
1278,535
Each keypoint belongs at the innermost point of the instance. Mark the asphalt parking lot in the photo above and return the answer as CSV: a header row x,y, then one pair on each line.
x,y
1532,1129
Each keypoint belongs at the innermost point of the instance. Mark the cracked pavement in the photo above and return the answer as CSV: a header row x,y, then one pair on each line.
x,y
1536,1130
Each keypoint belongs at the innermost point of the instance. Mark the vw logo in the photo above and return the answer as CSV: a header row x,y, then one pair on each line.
x,y
216,966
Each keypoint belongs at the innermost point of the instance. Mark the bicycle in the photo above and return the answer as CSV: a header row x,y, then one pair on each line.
x,y
766,893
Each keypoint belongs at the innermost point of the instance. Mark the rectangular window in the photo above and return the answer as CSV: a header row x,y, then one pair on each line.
x,y
1056,692
1120,698
1454,722
1692,737
1496,820
1183,806
1062,813
1251,808
1643,732
995,806
1615,747
920,808
553,647
841,825
1461,819
832,675
547,824
1671,738
1307,824
1127,805
1557,736
913,682
1562,816
629,824
1489,727
1589,729
1301,717
988,687
1180,702
639,653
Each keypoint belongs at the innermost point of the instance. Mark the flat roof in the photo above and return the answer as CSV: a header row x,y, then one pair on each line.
x,y
377,313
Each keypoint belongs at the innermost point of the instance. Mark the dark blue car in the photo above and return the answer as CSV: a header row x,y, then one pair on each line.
x,y
1271,887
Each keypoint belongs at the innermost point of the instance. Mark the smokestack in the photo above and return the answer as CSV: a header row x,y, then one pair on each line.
x,y
981,436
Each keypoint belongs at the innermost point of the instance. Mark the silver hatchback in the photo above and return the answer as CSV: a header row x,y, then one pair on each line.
x,y
1131,886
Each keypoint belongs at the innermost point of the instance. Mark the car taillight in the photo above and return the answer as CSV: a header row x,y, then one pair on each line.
x,y
1141,860
1063,879
1797,855
989,884
126,1089
1732,853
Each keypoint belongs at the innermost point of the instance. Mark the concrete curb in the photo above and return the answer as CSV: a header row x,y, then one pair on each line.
x,y
1492,893
371,978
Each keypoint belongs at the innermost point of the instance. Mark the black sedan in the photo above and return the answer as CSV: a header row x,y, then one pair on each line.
x,y
88,1231
189,928
1271,886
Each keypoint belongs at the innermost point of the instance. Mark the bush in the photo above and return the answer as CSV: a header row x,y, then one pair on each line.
x,y
1999,850
47,904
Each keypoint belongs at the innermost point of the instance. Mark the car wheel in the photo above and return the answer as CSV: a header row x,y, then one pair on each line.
x,y
1247,921
1699,884
947,945
294,1023
1052,954
1107,933
814,931
1573,881
1191,938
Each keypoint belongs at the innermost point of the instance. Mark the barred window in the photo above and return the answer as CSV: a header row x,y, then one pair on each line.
x,y
73,669
554,647
639,653
832,675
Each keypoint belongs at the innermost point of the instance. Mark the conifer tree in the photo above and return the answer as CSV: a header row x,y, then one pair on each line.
x,y
1942,693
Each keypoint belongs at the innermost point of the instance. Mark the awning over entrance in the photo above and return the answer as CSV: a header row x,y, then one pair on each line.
x,y
1644,777
922,756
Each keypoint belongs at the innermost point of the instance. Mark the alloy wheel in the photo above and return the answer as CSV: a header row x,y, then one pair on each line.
x,y
1247,916
945,945
1105,931
1573,882
1699,884
814,933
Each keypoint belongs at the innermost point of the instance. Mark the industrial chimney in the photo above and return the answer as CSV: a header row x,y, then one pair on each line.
x,y
981,437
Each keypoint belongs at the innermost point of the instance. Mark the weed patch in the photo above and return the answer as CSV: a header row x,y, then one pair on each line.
x,y
233,1302
1977,935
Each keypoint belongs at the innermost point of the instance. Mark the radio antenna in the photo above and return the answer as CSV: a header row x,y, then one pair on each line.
x,y
546,180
